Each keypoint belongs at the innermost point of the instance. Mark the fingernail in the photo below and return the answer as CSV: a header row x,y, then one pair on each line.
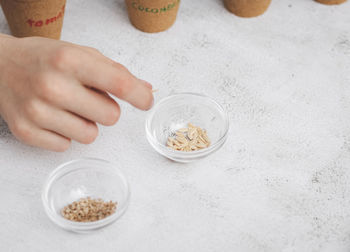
x,y
151,105
147,84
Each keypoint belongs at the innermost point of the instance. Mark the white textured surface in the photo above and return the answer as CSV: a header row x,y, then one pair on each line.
x,y
281,182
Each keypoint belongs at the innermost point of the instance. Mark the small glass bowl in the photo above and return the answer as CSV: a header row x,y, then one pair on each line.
x,y
175,112
83,178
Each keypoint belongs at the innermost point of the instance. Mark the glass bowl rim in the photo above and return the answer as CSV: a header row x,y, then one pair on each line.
x,y
61,171
182,154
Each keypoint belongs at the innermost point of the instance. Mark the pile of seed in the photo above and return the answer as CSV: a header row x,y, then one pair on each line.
x,y
189,139
88,210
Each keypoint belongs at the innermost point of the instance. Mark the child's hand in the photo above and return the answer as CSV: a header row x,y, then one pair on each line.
x,y
53,91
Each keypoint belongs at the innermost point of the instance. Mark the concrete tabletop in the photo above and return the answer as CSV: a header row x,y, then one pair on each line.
x,y
281,181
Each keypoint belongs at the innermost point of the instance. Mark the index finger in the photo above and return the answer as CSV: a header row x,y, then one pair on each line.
x,y
106,75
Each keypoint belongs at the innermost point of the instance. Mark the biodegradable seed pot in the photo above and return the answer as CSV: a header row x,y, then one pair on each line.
x,y
330,2
247,8
34,17
152,15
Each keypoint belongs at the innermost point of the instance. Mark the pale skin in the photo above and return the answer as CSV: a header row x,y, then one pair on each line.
x,y
53,92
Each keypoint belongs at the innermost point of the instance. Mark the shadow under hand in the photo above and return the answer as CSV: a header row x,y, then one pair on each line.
x,y
4,129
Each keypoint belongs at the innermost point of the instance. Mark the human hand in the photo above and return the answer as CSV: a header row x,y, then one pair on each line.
x,y
53,91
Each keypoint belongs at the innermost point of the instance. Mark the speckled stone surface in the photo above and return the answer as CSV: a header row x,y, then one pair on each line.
x,y
280,183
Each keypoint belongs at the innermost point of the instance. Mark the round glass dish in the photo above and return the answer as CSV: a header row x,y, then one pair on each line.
x,y
175,112
83,178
